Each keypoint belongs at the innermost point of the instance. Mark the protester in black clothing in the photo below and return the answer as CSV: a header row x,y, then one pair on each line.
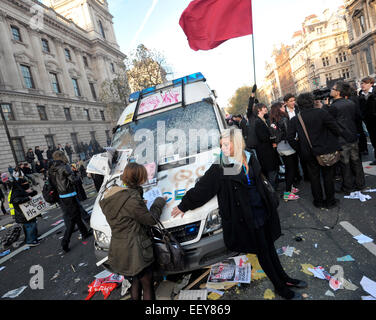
x,y
30,157
50,151
39,154
348,117
367,101
279,124
241,123
40,168
250,220
61,176
69,151
323,133
266,147
292,109
21,193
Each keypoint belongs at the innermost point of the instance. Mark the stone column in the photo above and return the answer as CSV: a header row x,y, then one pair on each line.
x,y
86,92
43,75
11,72
66,83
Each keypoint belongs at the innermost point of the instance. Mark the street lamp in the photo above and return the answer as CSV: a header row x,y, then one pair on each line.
x,y
8,135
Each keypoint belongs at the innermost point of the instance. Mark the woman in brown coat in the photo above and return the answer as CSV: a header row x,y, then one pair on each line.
x,y
131,250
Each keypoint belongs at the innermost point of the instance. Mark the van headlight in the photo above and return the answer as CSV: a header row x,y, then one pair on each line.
x,y
101,239
213,222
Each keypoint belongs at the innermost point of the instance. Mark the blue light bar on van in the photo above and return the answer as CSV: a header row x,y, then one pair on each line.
x,y
187,79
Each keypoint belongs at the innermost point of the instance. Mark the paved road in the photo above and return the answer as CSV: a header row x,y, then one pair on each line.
x,y
327,235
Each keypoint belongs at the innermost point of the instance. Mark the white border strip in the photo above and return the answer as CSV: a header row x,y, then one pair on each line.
x,y
370,246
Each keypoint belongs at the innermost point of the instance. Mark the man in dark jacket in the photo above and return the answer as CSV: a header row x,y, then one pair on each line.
x,y
251,137
21,193
323,133
50,151
348,117
39,154
241,123
367,101
69,151
61,177
30,157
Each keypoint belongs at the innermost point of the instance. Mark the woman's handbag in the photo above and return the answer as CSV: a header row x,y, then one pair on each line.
x,y
325,160
167,250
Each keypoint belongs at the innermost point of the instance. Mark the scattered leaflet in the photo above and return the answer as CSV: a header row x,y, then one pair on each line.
x,y
369,286
358,195
363,239
14,293
231,270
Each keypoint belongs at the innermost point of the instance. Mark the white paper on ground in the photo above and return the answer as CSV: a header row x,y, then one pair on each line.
x,y
358,195
317,273
289,251
193,294
102,274
368,298
369,286
329,293
363,239
14,293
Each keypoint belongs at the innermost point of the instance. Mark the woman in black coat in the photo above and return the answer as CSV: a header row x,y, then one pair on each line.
x,y
323,133
247,206
266,148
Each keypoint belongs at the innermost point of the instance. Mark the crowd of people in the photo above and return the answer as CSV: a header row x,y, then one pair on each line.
x,y
67,178
288,137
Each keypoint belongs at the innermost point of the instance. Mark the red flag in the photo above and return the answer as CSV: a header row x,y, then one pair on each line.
x,y
208,23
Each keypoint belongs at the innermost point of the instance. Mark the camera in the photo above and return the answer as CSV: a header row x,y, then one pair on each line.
x,y
321,94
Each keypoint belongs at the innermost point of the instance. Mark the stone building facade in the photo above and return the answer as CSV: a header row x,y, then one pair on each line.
x,y
53,59
320,52
361,24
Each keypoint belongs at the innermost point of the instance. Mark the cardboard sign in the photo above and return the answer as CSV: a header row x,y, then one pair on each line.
x,y
34,207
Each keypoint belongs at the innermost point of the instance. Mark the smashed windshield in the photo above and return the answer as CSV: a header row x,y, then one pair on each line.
x,y
178,132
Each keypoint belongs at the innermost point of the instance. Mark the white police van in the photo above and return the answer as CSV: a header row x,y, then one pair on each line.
x,y
176,125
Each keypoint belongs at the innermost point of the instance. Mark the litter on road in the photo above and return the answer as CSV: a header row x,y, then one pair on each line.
x,y
4,253
14,293
329,293
346,258
193,294
369,286
358,195
363,239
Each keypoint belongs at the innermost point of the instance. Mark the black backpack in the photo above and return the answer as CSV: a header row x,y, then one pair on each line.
x,y
50,193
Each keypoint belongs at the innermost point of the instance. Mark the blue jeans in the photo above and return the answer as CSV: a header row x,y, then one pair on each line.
x,y
31,231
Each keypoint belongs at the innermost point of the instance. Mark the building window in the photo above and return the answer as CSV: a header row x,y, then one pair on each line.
x,y
16,33
362,23
67,113
76,87
7,111
55,82
112,67
101,29
85,61
92,88
26,73
345,73
328,77
369,60
42,112
68,54
102,115
108,135
339,41
341,57
45,46
92,135
319,30
19,149
325,61
50,141
87,114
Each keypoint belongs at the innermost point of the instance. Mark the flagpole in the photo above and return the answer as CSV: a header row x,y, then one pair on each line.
x,y
253,47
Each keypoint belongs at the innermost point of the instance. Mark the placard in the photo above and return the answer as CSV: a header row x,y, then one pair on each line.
x,y
34,207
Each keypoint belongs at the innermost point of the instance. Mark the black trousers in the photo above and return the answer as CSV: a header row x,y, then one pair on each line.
x,y
269,260
72,217
351,168
315,172
291,169
371,128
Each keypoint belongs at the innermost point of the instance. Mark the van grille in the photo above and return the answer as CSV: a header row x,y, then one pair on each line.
x,y
186,232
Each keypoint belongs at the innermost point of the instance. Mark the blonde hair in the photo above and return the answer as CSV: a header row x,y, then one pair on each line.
x,y
237,140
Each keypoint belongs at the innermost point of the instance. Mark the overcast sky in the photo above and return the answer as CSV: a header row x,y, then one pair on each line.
x,y
155,23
